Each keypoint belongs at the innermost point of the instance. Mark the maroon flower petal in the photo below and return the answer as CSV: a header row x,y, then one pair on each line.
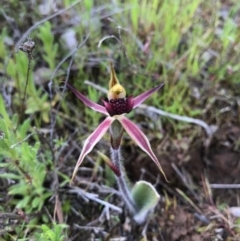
x,y
92,140
87,102
142,97
139,137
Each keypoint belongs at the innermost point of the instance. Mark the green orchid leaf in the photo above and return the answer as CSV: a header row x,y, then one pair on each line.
x,y
146,198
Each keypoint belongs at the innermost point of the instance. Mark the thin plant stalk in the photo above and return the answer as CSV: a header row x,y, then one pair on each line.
x,y
116,132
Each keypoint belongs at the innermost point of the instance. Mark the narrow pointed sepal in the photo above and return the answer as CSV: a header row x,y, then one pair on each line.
x,y
87,102
110,164
139,137
91,141
113,77
116,90
138,100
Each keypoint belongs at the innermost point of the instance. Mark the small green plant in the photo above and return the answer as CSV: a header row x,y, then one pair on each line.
x,y
22,164
54,233
50,48
3,51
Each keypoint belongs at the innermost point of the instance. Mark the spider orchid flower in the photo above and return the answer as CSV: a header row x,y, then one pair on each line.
x,y
115,107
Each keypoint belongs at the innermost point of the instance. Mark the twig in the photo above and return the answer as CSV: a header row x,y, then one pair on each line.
x,y
225,186
10,216
88,228
94,197
26,84
184,180
95,86
209,129
189,200
144,232
58,212
207,189
28,48
107,37
20,142
106,213
202,218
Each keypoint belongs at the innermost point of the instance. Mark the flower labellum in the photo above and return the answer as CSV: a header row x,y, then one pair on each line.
x,y
119,106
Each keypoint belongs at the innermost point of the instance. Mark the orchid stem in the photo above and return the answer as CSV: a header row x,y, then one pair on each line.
x,y
122,180
123,183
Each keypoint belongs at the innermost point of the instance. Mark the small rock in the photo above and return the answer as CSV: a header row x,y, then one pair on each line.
x,y
70,39
235,211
